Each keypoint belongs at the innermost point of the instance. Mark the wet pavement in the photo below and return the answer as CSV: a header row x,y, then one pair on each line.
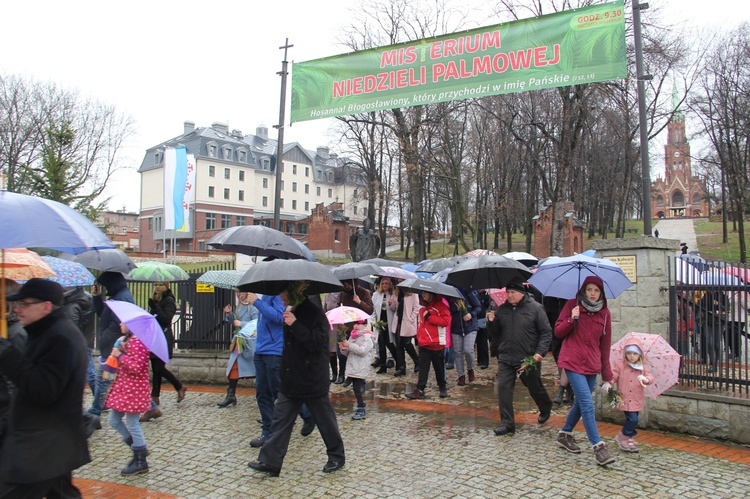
x,y
425,448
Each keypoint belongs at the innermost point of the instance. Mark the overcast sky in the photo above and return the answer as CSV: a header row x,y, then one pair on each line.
x,y
164,62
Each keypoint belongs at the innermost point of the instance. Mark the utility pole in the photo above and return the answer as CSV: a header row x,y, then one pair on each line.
x,y
641,78
280,148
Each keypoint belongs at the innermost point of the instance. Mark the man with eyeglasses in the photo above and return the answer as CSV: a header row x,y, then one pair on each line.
x,y
45,440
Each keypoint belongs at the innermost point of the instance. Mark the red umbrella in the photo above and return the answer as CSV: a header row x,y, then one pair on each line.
x,y
659,358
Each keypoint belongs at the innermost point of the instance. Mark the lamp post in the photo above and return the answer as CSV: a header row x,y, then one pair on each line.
x,y
280,145
641,78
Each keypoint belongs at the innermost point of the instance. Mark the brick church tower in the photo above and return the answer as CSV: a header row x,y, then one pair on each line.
x,y
679,193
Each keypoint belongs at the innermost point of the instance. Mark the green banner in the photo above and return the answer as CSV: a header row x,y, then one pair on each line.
x,y
583,45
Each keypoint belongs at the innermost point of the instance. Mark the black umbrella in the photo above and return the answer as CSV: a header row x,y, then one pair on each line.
x,y
353,270
259,240
435,266
431,286
106,260
486,271
271,278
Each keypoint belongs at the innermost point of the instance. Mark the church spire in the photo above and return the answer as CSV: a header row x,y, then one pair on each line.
x,y
676,98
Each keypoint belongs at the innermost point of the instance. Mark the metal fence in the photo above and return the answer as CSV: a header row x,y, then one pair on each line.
x,y
199,321
708,304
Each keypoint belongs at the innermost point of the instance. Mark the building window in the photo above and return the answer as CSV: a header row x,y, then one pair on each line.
x,y
211,171
265,164
212,151
242,175
264,201
241,195
226,221
228,176
240,220
201,245
242,156
150,223
157,224
364,212
307,188
307,171
226,193
336,235
294,186
210,221
355,210
307,206
329,175
294,169
355,193
317,191
265,183
282,185
281,203
227,152
294,204
330,193
302,228
210,191
290,227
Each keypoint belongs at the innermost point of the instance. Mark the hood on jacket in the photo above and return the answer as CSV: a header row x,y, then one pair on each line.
x,y
633,342
113,281
592,279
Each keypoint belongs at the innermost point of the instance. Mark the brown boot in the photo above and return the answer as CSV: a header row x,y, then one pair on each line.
x,y
149,415
602,455
471,375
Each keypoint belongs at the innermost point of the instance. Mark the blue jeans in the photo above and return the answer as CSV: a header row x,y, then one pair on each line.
x,y
100,392
463,347
631,421
267,380
91,372
131,428
583,407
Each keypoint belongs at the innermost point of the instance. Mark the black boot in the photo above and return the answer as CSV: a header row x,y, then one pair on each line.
x,y
229,399
569,396
339,379
139,464
558,396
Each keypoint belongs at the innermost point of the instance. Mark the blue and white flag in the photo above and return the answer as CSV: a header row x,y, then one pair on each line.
x,y
179,187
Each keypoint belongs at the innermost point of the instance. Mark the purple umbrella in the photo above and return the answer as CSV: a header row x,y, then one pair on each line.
x,y
143,325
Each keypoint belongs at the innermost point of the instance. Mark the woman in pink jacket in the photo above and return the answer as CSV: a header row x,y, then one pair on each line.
x,y
585,326
129,396
631,377
404,327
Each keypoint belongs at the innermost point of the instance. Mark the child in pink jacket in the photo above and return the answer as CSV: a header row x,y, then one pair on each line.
x,y
631,377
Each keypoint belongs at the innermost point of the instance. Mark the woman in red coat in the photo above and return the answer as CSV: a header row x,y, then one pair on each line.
x,y
130,396
433,327
585,326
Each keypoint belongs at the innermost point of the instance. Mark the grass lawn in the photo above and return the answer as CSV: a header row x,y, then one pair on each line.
x,y
709,236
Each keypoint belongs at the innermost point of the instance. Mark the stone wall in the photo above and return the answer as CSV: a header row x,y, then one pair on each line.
x,y
645,308
203,367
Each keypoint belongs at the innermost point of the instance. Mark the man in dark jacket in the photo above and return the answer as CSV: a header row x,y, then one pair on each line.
x,y
79,307
304,380
109,327
45,440
519,329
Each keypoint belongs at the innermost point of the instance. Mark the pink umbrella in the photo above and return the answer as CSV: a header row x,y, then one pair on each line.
x,y
343,314
740,272
499,296
659,358
396,273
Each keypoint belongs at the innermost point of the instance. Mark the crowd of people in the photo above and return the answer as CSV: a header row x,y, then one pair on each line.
x,y
296,355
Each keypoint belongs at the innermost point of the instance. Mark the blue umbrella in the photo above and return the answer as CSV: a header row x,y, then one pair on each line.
x,y
34,222
69,274
562,277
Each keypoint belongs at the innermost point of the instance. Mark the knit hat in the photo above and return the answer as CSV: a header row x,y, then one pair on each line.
x,y
516,284
633,348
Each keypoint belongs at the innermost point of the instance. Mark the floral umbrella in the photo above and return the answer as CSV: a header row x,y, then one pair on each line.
x,y
659,358
68,273
20,264
158,271
343,314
